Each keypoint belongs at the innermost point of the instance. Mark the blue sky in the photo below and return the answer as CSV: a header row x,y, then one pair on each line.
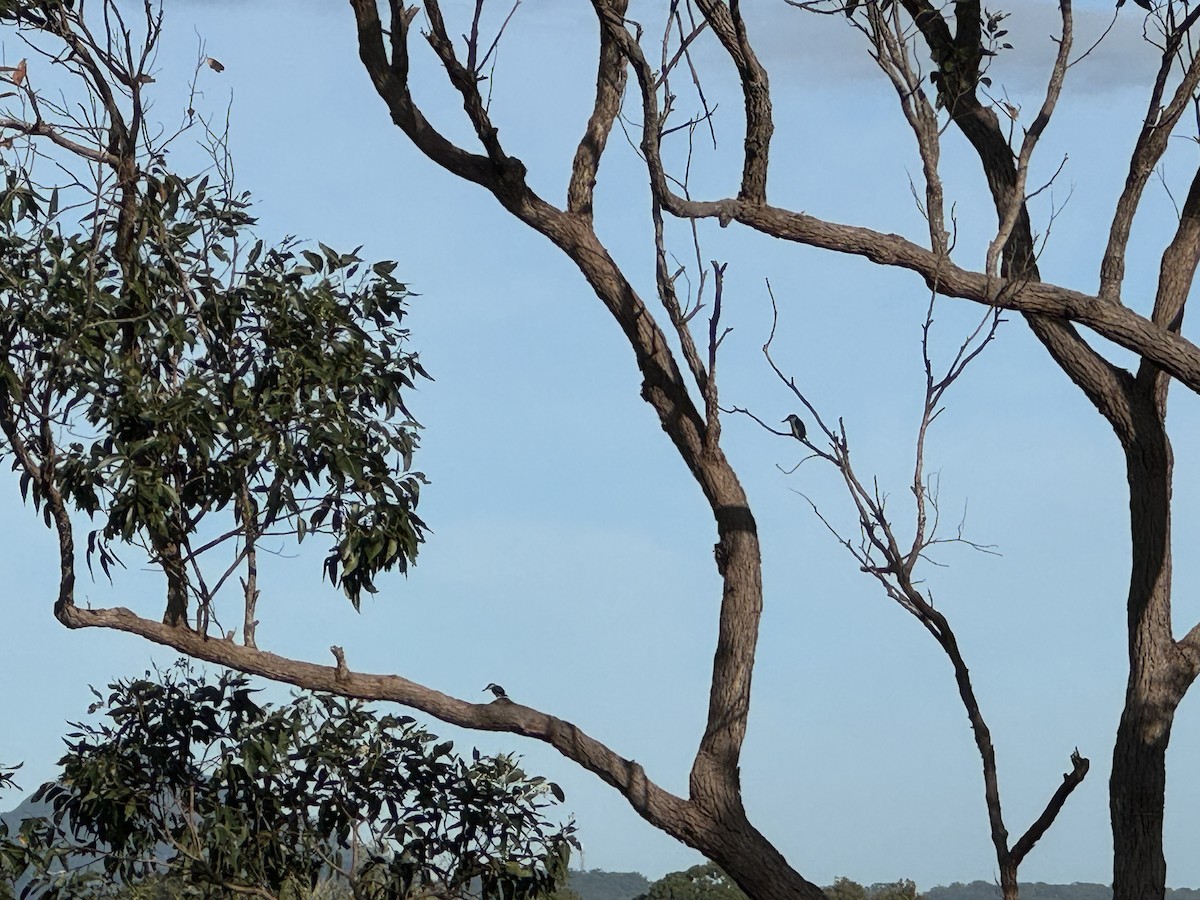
x,y
571,555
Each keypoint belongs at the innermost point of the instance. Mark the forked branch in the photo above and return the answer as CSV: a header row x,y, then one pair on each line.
x,y
882,554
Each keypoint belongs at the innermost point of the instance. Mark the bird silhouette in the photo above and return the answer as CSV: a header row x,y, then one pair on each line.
x,y
799,432
497,691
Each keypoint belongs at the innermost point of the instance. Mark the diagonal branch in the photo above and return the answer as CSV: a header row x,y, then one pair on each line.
x,y
1149,148
390,77
466,83
658,806
1071,780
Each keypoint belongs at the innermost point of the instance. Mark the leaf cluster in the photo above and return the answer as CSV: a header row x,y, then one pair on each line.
x,y
197,781
200,372
704,882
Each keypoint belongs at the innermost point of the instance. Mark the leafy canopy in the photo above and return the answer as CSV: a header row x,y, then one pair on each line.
x,y
195,780
703,882
199,373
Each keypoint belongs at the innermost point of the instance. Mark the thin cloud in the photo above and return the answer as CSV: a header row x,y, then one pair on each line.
x,y
826,50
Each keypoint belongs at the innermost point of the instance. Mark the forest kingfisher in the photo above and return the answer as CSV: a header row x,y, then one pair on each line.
x,y
497,691
798,430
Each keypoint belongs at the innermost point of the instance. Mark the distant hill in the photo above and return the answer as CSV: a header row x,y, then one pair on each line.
x,y
600,885
988,890
25,810
596,884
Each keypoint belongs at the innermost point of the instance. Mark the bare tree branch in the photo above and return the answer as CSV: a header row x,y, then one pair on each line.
x,y
881,555
1017,199
1151,144
390,77
727,24
610,89
681,818
715,784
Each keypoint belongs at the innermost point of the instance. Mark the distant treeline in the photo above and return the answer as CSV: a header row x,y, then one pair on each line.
x,y
599,885
987,890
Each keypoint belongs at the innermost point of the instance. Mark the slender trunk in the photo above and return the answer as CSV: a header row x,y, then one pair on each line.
x,y
1008,882
1137,787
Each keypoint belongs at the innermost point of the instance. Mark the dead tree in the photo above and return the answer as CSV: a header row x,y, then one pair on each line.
x,y
901,36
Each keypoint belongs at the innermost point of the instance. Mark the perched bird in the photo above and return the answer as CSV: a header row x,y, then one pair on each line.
x,y
798,430
497,691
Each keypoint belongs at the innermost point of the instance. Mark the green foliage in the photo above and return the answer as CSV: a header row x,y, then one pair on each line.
x,y
199,372
894,890
845,889
12,854
190,783
705,882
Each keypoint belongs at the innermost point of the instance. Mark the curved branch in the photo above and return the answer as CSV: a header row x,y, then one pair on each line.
x,y
730,840
42,129
715,780
727,24
41,474
1176,272
1148,150
1173,353
659,807
390,78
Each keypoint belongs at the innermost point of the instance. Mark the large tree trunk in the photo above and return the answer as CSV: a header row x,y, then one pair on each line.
x,y
1137,787
1136,409
1136,796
